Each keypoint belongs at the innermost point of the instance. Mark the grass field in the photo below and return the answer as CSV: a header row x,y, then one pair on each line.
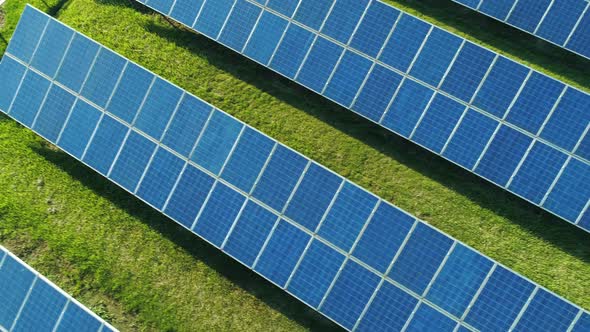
x,y
141,272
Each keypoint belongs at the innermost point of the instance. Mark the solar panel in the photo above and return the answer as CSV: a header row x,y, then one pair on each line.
x,y
565,23
346,253
30,302
450,96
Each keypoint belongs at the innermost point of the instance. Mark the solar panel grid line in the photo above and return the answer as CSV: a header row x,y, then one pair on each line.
x,y
26,67
394,96
358,262
120,150
266,162
276,48
517,95
449,67
454,131
543,17
145,170
265,244
519,165
524,308
164,132
315,231
22,306
291,21
348,255
575,321
34,123
486,148
561,172
205,202
387,271
305,59
511,10
226,19
480,2
460,121
232,227
243,49
555,105
239,215
200,10
333,72
211,111
88,101
296,187
379,53
440,267
61,315
478,292
584,210
358,24
109,172
332,283
411,317
422,115
575,28
526,154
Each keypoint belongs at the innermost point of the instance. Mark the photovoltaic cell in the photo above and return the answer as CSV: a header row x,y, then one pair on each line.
x,y
131,90
535,319
561,22
331,244
31,303
356,53
458,281
438,123
53,113
420,258
500,301
389,311
428,319
503,155
350,294
320,63
315,273
374,28
250,232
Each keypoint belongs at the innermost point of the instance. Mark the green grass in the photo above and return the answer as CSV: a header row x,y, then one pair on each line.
x,y
140,271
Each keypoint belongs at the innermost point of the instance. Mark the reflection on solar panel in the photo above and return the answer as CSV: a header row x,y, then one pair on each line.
x,y
343,251
565,23
515,127
29,302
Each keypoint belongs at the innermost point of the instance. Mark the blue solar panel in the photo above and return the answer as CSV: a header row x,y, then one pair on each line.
x,y
343,251
385,65
564,23
31,303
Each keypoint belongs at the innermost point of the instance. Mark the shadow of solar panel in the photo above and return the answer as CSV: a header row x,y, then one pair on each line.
x,y
32,303
387,65
341,250
565,23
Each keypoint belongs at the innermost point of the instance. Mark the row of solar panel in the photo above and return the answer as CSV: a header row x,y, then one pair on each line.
x,y
29,302
357,259
565,23
511,125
